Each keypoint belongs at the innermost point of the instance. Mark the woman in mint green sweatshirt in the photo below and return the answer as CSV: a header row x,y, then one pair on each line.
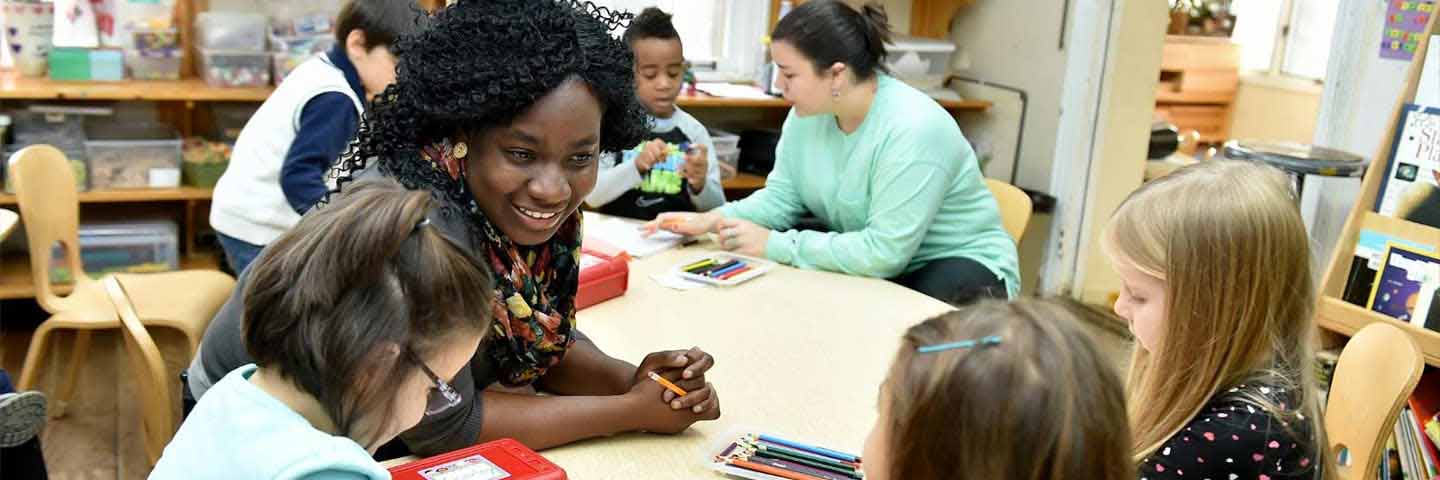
x,y
880,163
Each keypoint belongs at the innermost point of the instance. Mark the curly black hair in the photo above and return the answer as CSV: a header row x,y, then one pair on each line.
x,y
480,64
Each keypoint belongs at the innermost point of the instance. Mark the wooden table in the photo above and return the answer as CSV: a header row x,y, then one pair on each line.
x,y
798,353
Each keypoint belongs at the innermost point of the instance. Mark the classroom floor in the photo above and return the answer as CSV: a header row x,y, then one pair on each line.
x,y
99,437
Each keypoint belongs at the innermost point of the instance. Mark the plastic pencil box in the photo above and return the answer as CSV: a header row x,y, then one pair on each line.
x,y
603,276
501,459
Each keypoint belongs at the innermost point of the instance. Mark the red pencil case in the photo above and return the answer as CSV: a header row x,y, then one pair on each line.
x,y
602,277
501,459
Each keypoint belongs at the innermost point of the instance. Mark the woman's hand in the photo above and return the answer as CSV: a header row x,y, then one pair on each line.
x,y
696,167
743,237
657,417
683,223
692,365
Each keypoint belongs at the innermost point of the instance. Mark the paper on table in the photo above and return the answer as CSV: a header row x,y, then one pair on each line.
x,y
628,237
730,90
674,281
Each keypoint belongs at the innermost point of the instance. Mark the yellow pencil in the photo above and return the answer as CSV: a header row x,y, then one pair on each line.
x,y
666,383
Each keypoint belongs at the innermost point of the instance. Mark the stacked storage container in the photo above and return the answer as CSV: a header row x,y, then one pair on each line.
x,y
232,49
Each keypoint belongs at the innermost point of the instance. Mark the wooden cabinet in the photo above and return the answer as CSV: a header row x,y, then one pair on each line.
x,y
1199,77
928,18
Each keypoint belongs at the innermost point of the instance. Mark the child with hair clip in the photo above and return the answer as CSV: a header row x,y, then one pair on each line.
x,y
1217,288
358,320
1001,390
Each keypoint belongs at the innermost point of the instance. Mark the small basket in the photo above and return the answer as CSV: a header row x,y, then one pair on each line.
x,y
204,175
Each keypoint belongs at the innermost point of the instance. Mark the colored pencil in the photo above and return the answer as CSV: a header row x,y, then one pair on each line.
x,y
668,386
777,455
806,455
795,467
755,467
812,449
736,265
691,268
708,270
734,273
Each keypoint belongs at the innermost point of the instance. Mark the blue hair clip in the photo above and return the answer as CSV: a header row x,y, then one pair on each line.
x,y
990,340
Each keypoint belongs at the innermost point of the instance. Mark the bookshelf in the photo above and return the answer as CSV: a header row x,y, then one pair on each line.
x,y
1335,315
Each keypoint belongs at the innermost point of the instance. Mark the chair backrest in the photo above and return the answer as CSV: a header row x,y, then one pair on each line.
x,y
1015,207
1373,379
158,416
8,220
45,188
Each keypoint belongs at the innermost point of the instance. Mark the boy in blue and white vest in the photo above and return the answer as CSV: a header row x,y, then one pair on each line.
x,y
278,168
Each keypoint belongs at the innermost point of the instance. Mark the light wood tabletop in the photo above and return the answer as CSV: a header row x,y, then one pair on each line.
x,y
799,354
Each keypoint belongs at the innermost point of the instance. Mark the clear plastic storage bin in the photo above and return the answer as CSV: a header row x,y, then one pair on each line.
x,y
231,31
229,119
725,140
122,247
727,151
153,64
143,155
228,68
285,62
76,158
922,63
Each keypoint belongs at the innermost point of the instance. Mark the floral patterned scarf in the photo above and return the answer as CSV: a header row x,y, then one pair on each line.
x,y
534,299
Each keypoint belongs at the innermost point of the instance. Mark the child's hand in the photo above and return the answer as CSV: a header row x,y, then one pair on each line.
x,y
743,237
658,417
683,223
697,166
651,154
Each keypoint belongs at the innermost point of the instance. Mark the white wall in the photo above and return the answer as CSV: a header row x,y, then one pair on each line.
x,y
1121,133
1272,109
1360,94
1017,43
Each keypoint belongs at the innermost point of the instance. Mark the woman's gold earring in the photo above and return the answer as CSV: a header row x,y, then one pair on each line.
x,y
460,150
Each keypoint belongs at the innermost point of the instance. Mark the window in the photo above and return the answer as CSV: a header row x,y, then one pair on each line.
x,y
1285,37
722,37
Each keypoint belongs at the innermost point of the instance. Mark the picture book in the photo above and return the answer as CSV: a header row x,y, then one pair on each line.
x,y
1406,276
1369,257
1411,187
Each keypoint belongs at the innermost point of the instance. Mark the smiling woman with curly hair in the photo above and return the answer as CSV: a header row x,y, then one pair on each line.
x,y
500,109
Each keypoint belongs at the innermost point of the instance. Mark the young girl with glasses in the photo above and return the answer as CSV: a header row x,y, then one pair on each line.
x,y
356,319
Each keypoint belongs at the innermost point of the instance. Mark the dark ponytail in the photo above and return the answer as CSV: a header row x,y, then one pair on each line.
x,y
829,31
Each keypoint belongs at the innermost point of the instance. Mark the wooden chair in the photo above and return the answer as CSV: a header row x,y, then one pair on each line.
x,y
8,220
1015,207
1376,372
50,208
157,417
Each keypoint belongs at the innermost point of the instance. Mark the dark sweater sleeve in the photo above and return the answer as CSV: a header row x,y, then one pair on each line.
x,y
1232,440
327,124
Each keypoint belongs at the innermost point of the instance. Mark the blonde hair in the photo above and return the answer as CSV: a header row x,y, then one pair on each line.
x,y
1228,240
1044,403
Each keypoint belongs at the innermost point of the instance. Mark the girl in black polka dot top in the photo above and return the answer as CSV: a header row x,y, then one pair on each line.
x,y
1214,263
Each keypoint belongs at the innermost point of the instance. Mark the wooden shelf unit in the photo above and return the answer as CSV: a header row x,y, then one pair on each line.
x,y
744,181
706,101
16,283
1333,314
16,87
134,196
1199,79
